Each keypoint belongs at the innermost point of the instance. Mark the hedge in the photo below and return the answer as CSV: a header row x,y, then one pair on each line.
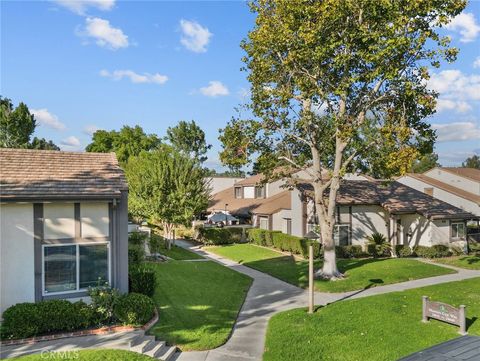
x,y
142,280
350,251
216,236
31,319
281,241
134,309
436,251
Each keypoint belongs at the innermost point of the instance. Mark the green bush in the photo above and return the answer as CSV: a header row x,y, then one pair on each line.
x,y
350,251
437,251
104,299
283,242
216,236
32,319
156,243
378,245
134,309
256,236
142,280
403,250
136,247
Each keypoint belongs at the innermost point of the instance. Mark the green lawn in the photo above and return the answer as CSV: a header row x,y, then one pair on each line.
x,y
198,303
87,355
179,253
383,328
470,262
361,273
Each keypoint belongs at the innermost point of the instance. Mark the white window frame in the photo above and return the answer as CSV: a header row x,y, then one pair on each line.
x,y
457,224
78,289
240,195
336,233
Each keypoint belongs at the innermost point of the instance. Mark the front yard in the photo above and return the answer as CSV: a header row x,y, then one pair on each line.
x,y
361,273
384,327
198,302
469,262
87,355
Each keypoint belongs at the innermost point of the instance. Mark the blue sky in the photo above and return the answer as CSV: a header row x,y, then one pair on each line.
x,y
101,64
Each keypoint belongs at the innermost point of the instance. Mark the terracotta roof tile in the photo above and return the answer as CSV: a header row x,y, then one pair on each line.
x,y
275,203
41,174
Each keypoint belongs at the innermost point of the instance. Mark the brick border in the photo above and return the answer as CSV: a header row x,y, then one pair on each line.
x,y
95,331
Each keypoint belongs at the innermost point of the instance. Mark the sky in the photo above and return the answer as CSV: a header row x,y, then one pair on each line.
x,y
101,64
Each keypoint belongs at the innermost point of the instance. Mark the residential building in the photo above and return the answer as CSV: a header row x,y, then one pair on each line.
x,y
218,183
364,206
457,186
64,224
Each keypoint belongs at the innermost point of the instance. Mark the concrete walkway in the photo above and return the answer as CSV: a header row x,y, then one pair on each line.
x,y
269,295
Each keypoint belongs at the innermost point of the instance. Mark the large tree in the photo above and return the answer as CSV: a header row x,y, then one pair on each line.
x,y
472,162
166,186
189,139
425,163
336,84
127,142
17,126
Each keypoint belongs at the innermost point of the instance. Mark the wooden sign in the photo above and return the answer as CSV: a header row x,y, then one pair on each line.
x,y
444,312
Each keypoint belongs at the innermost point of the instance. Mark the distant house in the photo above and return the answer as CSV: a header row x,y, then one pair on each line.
x,y
457,186
219,183
364,206
63,224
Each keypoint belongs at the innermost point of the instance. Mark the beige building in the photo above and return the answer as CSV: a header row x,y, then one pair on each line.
x,y
404,215
63,224
457,186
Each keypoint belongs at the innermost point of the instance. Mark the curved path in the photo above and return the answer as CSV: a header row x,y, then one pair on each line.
x,y
269,295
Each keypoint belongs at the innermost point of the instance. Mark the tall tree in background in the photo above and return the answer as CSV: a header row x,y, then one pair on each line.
x,y
334,81
189,139
424,163
472,162
128,142
17,127
16,124
166,186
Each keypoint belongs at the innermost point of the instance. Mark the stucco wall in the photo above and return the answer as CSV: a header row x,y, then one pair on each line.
x,y
297,214
94,219
440,232
454,180
417,230
218,184
275,187
59,220
366,220
278,220
445,196
17,274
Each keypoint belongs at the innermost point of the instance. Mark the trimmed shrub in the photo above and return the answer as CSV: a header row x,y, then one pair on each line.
x,y
350,251
136,247
104,299
142,280
32,319
403,250
216,236
436,251
378,245
134,309
256,236
283,242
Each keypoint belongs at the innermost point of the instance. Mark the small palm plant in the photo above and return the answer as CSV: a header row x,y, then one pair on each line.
x,y
378,245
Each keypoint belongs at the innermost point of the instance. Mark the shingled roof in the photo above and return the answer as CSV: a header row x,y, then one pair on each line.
x,y
27,174
396,198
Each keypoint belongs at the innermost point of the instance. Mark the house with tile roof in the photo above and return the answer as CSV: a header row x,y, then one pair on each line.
x,y
365,206
64,224
457,186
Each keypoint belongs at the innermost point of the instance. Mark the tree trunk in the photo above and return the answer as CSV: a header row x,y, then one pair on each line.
x,y
167,231
329,269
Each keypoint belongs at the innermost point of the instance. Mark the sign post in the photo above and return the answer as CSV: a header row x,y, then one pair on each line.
x,y
313,237
444,312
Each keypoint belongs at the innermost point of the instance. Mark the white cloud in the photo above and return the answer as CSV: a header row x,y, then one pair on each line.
x,y
48,119
195,37
457,131
476,63
80,6
90,129
135,77
466,25
215,88
104,34
448,104
71,141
